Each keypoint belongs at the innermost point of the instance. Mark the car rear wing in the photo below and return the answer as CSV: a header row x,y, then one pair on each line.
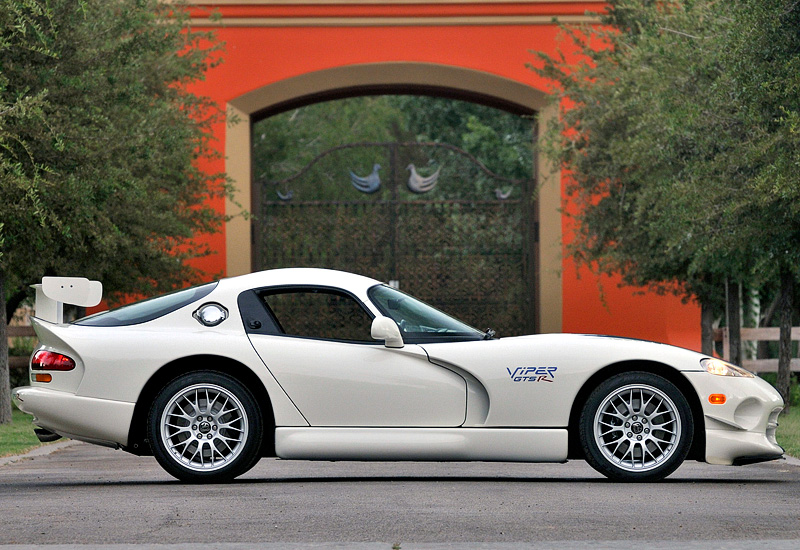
x,y
54,292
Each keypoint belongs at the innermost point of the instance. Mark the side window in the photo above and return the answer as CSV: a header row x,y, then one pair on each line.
x,y
319,313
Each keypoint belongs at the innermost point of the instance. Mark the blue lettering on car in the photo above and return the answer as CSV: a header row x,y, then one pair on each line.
x,y
532,374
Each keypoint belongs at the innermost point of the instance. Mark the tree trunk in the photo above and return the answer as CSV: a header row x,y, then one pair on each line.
x,y
13,300
5,380
785,346
733,309
707,328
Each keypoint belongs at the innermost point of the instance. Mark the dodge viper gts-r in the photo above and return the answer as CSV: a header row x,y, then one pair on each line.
x,y
323,365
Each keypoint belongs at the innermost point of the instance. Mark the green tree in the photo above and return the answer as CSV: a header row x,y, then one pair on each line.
x,y
761,81
27,31
285,143
499,139
633,122
676,127
100,147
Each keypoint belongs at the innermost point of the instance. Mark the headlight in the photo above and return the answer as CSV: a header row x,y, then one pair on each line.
x,y
722,368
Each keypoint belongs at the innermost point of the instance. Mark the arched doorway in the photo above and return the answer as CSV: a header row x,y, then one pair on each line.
x,y
544,286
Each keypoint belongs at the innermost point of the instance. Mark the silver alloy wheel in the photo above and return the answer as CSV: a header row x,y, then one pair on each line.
x,y
637,427
204,427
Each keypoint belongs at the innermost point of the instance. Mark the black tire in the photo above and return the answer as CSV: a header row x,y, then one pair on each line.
x,y
205,427
636,426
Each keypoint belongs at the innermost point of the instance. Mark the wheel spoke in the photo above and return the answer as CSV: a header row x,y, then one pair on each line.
x,y
618,442
224,441
646,451
612,430
616,412
184,444
629,403
645,405
659,440
661,425
178,429
657,410
183,414
232,425
196,403
212,402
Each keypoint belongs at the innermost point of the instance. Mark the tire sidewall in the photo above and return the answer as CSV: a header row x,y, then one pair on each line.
x,y
251,447
595,456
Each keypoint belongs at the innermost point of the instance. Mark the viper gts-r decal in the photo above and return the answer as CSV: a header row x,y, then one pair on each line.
x,y
532,374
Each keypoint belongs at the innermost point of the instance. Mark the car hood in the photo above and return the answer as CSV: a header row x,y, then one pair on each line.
x,y
567,351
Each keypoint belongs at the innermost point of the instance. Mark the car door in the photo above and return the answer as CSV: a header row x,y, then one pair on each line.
x,y
316,342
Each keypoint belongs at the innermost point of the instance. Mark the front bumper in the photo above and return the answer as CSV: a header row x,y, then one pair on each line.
x,y
742,430
99,421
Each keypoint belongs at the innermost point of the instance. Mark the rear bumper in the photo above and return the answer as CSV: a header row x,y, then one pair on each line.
x,y
99,421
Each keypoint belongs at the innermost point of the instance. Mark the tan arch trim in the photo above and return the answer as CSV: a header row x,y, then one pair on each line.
x,y
375,77
392,77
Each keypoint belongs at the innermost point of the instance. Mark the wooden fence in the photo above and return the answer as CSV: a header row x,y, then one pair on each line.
x,y
771,334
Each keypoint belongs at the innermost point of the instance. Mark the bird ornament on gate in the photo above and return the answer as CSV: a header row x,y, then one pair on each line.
x,y
368,184
419,184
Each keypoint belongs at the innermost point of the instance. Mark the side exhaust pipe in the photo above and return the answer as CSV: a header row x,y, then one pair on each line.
x,y
46,436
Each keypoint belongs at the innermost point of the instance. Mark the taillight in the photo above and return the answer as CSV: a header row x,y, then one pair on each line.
x,y
50,360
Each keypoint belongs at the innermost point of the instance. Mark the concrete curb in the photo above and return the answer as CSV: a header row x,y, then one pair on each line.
x,y
792,460
39,451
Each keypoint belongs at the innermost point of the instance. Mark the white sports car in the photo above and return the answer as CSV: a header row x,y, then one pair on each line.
x,y
322,365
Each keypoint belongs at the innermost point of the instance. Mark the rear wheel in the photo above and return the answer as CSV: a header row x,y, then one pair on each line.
x,y
205,426
636,426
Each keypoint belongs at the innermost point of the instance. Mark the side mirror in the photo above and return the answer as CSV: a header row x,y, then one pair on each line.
x,y
387,330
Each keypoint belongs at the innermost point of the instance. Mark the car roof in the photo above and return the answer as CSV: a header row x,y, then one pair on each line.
x,y
302,276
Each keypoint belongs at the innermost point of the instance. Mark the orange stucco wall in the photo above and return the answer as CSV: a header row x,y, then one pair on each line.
x,y
481,36
598,304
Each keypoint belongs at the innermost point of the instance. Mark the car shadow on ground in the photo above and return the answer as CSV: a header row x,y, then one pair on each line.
x,y
386,479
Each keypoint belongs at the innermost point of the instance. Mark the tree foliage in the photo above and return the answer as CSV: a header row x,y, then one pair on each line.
x,y
678,127
99,145
287,142
632,120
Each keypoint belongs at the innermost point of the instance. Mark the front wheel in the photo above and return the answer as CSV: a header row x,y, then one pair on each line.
x,y
636,426
205,426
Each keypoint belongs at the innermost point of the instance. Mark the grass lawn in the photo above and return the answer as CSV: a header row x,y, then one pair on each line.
x,y
17,437
789,431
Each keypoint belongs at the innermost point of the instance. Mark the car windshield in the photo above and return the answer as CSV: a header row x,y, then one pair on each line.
x,y
418,321
147,310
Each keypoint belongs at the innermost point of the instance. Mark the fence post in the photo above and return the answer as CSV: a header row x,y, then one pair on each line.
x,y
726,344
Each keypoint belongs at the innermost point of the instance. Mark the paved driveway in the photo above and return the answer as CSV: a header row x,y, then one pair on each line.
x,y
91,495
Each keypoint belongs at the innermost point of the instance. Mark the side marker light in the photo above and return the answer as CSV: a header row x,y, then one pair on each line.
x,y
717,399
39,377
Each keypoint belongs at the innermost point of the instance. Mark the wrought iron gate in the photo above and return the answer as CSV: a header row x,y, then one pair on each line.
x,y
427,215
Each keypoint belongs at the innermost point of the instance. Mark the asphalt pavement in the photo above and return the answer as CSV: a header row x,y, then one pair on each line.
x,y
83,496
